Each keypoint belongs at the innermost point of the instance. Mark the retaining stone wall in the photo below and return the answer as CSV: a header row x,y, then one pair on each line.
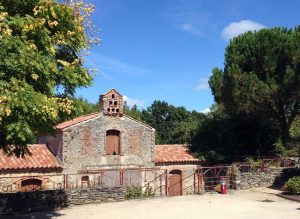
x,y
53,199
257,179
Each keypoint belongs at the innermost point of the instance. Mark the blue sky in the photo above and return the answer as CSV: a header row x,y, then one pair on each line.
x,y
165,49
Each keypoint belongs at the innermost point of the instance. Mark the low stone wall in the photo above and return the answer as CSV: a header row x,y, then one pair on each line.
x,y
53,199
257,179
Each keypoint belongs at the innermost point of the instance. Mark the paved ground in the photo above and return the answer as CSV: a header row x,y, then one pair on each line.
x,y
257,204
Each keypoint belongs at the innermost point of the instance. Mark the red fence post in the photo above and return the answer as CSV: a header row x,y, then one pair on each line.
x,y
198,179
160,185
166,182
195,183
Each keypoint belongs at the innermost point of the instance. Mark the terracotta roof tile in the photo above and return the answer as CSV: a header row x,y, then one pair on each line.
x,y
76,120
176,153
41,158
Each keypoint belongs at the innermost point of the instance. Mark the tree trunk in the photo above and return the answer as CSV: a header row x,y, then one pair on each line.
x,y
285,134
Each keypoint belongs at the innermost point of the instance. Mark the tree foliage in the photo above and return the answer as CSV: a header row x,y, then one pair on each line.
x,y
262,76
221,138
174,125
41,65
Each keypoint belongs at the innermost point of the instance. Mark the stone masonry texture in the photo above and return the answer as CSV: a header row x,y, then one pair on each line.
x,y
257,179
83,144
54,199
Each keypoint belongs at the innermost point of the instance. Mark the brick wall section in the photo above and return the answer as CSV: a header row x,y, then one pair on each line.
x,y
84,144
53,199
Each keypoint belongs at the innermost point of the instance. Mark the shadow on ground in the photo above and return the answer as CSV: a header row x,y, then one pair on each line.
x,y
34,215
24,204
265,200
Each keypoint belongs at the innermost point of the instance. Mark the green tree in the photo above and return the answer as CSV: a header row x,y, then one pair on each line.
x,y
133,112
80,106
221,137
262,76
174,125
41,65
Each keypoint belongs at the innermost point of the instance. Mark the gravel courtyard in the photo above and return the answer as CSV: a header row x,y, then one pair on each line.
x,y
258,204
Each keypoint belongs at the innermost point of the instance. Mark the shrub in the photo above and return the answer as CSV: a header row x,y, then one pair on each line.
x,y
135,192
255,163
293,185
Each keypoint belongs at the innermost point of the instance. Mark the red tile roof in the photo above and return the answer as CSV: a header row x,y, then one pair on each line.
x,y
41,158
76,120
176,153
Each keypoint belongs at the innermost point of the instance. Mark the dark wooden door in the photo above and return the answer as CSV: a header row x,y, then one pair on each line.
x,y
113,142
175,183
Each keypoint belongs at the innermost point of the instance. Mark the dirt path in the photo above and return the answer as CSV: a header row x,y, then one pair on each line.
x,y
258,204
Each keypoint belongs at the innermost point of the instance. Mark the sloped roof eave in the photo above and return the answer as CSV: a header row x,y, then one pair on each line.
x,y
173,154
67,124
144,124
41,159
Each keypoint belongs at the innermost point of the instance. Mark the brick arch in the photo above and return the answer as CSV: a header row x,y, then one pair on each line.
x,y
85,181
113,142
30,185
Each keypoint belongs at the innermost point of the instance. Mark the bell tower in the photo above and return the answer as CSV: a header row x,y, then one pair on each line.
x,y
111,103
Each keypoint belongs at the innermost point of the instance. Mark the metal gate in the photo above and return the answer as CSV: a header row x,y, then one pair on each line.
x,y
207,178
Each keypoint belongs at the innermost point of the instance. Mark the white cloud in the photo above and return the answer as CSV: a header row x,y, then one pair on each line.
x,y
188,27
236,28
206,110
131,102
202,84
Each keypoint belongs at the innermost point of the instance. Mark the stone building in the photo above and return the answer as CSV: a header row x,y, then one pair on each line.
x,y
110,148
180,165
29,173
107,139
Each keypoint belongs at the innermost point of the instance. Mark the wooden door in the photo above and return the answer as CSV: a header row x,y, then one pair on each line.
x,y
175,183
112,142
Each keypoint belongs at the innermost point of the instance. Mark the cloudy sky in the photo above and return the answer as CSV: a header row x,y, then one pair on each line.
x,y
165,49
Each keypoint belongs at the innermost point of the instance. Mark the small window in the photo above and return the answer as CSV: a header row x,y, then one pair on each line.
x,y
113,109
85,182
113,96
108,109
117,110
115,103
110,102
112,145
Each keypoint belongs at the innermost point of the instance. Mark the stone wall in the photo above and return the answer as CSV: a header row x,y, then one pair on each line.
x,y
53,199
84,144
257,179
11,182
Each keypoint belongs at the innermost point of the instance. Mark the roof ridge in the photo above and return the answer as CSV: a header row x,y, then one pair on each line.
x,y
139,121
112,89
73,121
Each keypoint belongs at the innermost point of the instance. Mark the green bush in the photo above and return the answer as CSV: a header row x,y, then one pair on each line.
x,y
293,185
255,163
135,192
